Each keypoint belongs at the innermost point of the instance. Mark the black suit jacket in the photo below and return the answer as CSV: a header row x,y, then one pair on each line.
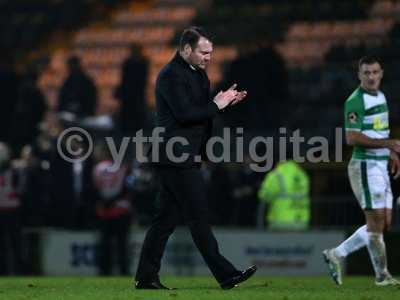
x,y
184,108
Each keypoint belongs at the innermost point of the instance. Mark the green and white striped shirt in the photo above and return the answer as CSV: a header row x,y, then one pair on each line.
x,y
368,113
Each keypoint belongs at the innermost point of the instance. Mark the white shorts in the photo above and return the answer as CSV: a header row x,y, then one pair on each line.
x,y
370,183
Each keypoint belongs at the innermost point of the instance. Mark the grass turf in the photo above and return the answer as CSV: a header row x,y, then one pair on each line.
x,y
193,288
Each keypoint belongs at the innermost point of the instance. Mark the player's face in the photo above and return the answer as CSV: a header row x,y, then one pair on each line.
x,y
200,56
370,76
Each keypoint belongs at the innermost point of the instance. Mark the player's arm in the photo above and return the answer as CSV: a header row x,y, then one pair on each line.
x,y
394,164
356,138
354,118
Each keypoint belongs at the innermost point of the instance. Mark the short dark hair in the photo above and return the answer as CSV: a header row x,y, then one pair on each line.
x,y
368,60
192,35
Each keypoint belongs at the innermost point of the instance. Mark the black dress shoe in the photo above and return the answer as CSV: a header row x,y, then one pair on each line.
x,y
155,285
235,280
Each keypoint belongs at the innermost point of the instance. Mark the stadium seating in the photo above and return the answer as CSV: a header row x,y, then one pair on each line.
x,y
319,48
25,24
103,50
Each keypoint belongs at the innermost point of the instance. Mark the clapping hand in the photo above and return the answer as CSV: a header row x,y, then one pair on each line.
x,y
229,97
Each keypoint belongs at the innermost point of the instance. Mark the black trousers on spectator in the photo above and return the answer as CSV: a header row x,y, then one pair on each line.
x,y
113,236
182,193
10,243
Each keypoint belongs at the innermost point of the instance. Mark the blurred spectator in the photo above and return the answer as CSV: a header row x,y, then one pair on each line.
x,y
35,186
268,81
78,94
9,94
131,92
286,192
244,187
71,185
262,72
220,200
142,186
30,111
233,194
395,33
10,225
113,210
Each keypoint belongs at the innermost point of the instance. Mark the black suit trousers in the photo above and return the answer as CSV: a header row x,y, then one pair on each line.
x,y
182,193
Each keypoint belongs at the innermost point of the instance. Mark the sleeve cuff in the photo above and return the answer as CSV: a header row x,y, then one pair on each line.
x,y
213,108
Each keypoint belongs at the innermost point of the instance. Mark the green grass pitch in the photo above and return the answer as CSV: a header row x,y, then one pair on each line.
x,y
193,288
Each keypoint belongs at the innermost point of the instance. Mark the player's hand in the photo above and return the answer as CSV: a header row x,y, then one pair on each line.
x,y
394,164
394,145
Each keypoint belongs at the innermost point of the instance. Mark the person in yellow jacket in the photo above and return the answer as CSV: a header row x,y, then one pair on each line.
x,y
285,190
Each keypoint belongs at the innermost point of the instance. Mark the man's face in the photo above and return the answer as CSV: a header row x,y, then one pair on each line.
x,y
200,56
370,76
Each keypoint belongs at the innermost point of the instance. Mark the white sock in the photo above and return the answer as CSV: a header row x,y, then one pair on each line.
x,y
377,253
354,242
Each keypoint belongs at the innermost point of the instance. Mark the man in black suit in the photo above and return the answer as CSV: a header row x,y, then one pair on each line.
x,y
185,109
